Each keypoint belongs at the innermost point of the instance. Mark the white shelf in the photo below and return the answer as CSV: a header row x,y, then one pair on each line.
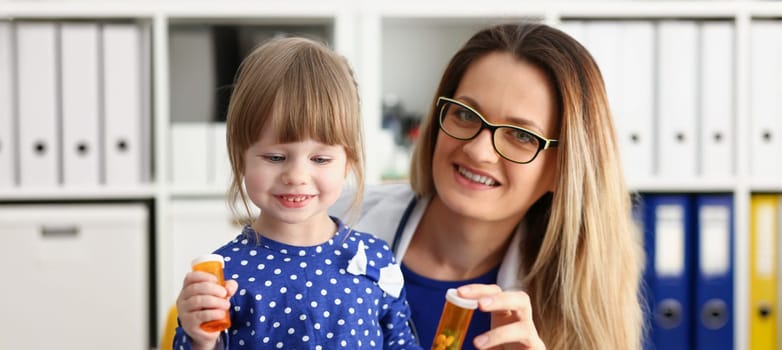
x,y
690,186
206,9
654,9
75,9
198,191
76,193
766,185
237,9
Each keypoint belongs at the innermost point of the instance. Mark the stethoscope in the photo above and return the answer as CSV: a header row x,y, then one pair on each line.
x,y
395,244
402,223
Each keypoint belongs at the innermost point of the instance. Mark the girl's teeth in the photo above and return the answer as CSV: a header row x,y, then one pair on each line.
x,y
476,178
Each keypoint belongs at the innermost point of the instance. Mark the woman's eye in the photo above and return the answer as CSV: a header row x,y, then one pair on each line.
x,y
524,137
465,115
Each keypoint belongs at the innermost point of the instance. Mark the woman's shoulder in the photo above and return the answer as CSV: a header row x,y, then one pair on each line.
x,y
373,196
381,209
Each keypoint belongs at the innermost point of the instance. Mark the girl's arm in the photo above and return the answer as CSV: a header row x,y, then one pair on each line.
x,y
201,300
400,335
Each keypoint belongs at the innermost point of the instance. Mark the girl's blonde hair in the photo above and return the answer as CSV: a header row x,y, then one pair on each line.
x,y
303,90
581,256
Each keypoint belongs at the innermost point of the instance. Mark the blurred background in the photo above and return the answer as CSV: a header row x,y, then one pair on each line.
x,y
113,166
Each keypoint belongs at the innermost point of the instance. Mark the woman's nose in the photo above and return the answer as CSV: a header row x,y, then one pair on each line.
x,y
481,147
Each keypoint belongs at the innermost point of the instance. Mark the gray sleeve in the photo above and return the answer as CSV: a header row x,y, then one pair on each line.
x,y
381,208
342,205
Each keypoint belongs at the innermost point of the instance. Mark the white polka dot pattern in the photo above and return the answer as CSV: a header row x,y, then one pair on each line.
x,y
303,298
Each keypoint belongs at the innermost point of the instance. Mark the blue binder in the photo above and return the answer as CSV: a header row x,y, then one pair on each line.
x,y
668,227
713,290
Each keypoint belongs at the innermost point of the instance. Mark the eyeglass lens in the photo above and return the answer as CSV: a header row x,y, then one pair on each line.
x,y
513,143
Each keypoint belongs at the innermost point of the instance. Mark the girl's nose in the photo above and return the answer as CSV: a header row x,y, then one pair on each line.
x,y
295,174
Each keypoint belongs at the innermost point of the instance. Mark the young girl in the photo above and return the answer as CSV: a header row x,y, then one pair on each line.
x,y
300,278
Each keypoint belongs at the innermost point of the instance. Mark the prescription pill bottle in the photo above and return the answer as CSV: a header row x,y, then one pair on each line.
x,y
213,263
454,321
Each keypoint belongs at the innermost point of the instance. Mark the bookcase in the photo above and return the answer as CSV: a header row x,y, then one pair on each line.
x,y
185,51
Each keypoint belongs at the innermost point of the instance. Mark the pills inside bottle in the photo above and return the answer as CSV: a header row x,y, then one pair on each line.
x,y
454,321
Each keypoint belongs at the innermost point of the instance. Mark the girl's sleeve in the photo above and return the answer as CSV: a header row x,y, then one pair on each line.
x,y
398,332
182,340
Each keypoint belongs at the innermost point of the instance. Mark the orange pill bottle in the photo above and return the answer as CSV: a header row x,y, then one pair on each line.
x,y
213,264
454,321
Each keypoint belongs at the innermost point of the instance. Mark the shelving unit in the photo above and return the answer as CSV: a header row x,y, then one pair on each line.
x,y
397,48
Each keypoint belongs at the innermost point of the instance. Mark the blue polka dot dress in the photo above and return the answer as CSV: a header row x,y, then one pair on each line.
x,y
293,297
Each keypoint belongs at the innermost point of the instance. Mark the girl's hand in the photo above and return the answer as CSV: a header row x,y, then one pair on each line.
x,y
203,299
511,318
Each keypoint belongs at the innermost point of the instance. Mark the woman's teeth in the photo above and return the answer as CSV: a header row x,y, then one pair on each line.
x,y
476,178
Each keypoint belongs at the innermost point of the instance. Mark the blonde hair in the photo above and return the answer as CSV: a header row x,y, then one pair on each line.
x,y
303,90
581,255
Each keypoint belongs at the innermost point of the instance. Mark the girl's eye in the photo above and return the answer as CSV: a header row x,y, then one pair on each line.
x,y
274,158
321,160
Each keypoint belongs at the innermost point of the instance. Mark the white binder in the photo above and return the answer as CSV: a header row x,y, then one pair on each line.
x,y
634,111
765,103
717,107
7,103
602,40
677,98
190,154
620,51
38,115
80,103
126,109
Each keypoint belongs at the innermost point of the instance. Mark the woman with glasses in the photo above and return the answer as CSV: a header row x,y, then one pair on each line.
x,y
517,199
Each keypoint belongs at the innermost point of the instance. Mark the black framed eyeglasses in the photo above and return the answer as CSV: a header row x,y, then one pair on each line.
x,y
513,143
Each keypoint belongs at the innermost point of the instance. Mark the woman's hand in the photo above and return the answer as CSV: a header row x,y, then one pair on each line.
x,y
511,318
202,299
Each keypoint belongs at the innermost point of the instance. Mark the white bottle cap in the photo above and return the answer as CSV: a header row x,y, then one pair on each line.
x,y
208,257
463,303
